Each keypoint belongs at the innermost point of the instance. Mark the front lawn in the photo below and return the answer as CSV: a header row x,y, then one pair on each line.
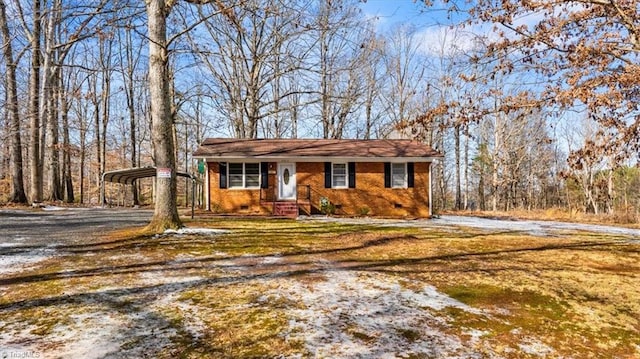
x,y
271,288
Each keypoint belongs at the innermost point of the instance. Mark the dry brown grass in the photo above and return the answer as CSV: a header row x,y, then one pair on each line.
x,y
577,294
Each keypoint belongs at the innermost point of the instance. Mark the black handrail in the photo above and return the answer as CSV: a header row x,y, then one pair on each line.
x,y
310,197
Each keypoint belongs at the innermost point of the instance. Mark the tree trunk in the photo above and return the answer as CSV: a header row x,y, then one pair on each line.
x,y
132,121
67,179
13,113
324,70
494,165
610,192
96,125
105,57
129,92
55,189
83,156
465,201
456,129
49,112
166,212
34,106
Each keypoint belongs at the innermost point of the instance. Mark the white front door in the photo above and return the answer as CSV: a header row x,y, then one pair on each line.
x,y
286,181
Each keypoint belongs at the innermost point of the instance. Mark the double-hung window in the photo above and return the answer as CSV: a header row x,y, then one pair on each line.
x,y
244,175
399,175
339,175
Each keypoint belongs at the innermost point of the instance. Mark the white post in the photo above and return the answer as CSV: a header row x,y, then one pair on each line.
x,y
430,192
206,185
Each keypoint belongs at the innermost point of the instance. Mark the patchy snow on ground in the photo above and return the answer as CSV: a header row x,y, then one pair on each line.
x,y
541,228
341,313
89,335
270,260
356,314
53,208
532,346
538,228
17,261
201,231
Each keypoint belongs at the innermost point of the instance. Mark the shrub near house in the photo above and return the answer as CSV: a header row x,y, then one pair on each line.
x,y
288,176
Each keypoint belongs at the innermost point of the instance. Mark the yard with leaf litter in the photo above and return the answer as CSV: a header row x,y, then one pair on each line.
x,y
326,288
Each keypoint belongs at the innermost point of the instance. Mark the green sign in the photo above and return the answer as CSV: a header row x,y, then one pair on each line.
x,y
201,166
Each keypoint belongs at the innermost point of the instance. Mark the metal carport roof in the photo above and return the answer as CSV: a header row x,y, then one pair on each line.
x,y
129,175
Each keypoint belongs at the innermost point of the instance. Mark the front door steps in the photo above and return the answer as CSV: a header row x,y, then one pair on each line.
x,y
286,209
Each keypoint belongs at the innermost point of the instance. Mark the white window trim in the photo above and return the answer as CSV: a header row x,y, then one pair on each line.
x,y
346,175
405,181
244,176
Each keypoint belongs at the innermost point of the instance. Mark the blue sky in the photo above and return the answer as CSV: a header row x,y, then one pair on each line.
x,y
431,24
390,12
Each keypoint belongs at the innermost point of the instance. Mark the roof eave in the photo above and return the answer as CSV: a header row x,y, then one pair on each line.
x,y
318,158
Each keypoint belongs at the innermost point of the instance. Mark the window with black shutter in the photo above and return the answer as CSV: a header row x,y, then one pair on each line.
x,y
223,175
387,175
352,175
410,174
264,174
327,175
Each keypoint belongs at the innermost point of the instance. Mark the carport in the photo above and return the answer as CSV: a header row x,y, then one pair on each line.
x,y
129,176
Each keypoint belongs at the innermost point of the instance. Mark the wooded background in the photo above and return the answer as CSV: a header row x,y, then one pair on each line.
x,y
533,105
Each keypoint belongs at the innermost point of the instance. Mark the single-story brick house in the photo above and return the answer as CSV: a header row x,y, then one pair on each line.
x,y
292,176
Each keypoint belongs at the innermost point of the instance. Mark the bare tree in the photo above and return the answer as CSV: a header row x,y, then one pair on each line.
x,y
373,79
255,62
13,113
130,55
166,211
34,101
404,77
341,54
585,50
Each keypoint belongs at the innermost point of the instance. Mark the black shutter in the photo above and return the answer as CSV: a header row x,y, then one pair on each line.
x,y
264,174
352,174
387,175
327,175
223,174
410,175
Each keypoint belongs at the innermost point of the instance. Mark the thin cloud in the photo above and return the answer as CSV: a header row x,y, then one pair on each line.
x,y
447,40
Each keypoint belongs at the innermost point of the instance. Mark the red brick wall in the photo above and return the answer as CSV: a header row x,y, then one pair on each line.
x,y
369,192
242,201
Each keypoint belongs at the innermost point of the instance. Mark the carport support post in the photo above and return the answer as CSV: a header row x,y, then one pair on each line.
x,y
102,191
193,195
430,191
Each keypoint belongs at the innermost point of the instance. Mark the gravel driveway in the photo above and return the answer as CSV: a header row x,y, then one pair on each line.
x,y
56,226
29,236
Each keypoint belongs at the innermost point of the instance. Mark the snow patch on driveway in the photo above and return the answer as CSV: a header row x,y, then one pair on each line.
x,y
537,228
541,228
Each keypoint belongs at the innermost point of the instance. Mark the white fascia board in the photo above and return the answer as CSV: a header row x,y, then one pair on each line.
x,y
317,159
